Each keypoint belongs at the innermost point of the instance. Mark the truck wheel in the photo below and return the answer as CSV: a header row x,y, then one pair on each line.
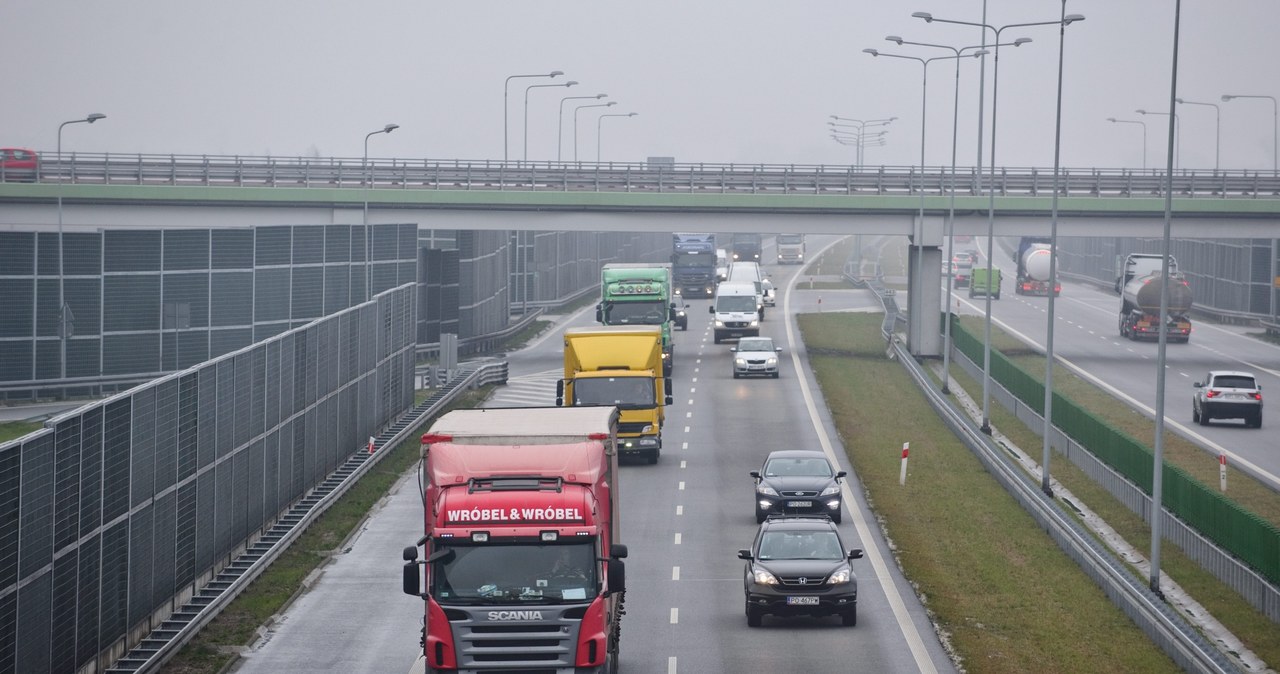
x,y
850,617
754,616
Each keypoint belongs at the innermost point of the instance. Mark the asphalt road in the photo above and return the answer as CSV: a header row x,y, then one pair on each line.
x,y
683,519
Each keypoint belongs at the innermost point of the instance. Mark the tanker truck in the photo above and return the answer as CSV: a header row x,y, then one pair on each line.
x,y
1033,258
1140,308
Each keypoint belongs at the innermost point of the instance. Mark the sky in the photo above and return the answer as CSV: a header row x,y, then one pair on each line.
x,y
715,81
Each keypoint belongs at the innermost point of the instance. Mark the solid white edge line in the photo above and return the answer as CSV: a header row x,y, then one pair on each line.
x,y
873,552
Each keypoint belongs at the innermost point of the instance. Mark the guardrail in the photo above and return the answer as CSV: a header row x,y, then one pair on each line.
x,y
709,178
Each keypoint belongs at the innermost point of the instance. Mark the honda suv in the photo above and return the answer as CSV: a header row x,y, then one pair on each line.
x,y
797,481
798,565
1227,394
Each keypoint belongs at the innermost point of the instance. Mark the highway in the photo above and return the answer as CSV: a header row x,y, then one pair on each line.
x,y
683,519
1087,340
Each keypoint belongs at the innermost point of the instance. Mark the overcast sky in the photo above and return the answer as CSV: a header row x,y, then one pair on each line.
x,y
749,81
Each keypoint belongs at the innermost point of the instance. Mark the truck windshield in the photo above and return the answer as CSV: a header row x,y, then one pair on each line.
x,y
635,313
692,260
790,238
626,393
507,573
736,303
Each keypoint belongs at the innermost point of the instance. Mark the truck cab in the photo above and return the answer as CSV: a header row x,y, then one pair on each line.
x,y
1138,265
633,294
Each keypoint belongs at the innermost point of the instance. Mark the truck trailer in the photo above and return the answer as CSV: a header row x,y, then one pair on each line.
x,y
1034,257
522,567
619,367
1140,309
639,293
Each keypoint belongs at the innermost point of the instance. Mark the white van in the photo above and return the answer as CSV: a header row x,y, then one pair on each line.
x,y
736,311
749,272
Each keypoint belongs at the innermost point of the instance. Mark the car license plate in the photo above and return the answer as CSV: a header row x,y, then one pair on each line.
x,y
799,504
802,601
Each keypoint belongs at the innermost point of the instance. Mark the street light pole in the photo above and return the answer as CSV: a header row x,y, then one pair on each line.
x,y
991,202
575,122
1113,120
1177,128
861,126
63,327
1217,129
599,124
924,100
553,73
368,237
1275,126
560,123
526,110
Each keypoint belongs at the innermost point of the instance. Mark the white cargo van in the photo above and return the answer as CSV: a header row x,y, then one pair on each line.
x,y
736,311
749,272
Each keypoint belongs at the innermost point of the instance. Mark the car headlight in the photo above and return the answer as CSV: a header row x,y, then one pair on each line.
x,y
719,323
739,361
765,578
839,577
755,323
829,491
766,490
771,361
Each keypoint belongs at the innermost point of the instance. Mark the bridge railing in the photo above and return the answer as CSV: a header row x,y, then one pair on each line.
x,y
707,178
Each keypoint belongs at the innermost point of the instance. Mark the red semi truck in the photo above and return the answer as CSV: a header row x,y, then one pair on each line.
x,y
523,568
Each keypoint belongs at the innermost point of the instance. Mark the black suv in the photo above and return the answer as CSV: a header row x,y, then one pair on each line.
x,y
798,566
797,481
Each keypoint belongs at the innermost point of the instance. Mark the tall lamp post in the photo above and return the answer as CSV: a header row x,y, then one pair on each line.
x,y
1217,128
991,203
505,87
63,311
924,100
1177,130
860,140
526,110
560,123
861,126
575,122
599,125
1275,125
368,236
1113,120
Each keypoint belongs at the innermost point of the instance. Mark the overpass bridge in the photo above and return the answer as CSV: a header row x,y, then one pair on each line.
x,y
113,190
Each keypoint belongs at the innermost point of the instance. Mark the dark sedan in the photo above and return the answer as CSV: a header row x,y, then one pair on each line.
x,y
797,481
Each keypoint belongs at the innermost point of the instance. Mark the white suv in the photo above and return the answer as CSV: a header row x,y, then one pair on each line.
x,y
1227,394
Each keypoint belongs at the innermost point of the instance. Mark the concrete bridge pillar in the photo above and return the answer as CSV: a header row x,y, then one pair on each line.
x,y
924,288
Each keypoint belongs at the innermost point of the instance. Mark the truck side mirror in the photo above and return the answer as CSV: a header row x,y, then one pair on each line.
x,y
666,386
618,551
711,309
617,576
560,393
412,585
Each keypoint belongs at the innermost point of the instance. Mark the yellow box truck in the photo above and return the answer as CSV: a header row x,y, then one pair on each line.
x,y
619,366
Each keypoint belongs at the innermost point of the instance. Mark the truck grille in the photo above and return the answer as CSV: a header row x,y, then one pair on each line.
x,y
525,646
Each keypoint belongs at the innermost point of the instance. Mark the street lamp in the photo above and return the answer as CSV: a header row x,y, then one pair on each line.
x,y
553,73
63,310
991,203
600,122
860,125
861,139
924,99
1217,128
368,237
1177,130
526,110
560,123
575,122
1275,124
1113,120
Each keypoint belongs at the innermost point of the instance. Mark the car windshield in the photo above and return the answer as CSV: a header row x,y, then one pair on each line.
x,y
623,392
800,545
506,573
736,303
755,344
635,313
797,467
1232,381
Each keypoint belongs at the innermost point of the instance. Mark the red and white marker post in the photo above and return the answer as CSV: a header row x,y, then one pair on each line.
x,y
1222,472
902,474
371,447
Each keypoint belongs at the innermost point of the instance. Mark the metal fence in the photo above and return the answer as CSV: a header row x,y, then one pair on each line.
x,y
115,513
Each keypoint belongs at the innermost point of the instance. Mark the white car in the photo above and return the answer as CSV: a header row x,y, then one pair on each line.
x,y
755,355
770,296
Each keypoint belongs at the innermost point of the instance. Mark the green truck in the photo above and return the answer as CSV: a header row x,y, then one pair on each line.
x,y
985,281
639,293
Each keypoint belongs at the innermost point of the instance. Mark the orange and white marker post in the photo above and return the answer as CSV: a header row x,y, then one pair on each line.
x,y
1222,472
902,474
371,447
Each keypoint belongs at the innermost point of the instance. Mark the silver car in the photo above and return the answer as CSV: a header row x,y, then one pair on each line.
x,y
1227,394
755,355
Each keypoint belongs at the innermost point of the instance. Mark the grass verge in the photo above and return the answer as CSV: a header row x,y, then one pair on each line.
x,y
215,647
1008,598
10,430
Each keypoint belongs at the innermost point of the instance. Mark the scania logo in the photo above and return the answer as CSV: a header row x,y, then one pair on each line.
x,y
515,615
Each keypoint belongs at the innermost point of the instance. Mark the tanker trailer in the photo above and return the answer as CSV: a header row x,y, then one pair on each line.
x,y
1033,257
1140,308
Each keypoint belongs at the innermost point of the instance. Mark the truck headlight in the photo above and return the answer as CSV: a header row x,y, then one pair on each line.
x,y
719,323
763,577
755,323
839,577
648,428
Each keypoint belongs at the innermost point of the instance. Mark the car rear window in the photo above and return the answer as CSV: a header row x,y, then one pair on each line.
x,y
1233,381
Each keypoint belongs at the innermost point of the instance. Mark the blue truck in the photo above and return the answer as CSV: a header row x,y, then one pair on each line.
x,y
693,264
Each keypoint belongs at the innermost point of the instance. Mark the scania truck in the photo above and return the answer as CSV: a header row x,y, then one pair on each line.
x,y
693,264
523,564
619,367
790,248
639,293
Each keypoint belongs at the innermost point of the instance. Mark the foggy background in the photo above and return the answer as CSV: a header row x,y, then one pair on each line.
x,y
747,81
